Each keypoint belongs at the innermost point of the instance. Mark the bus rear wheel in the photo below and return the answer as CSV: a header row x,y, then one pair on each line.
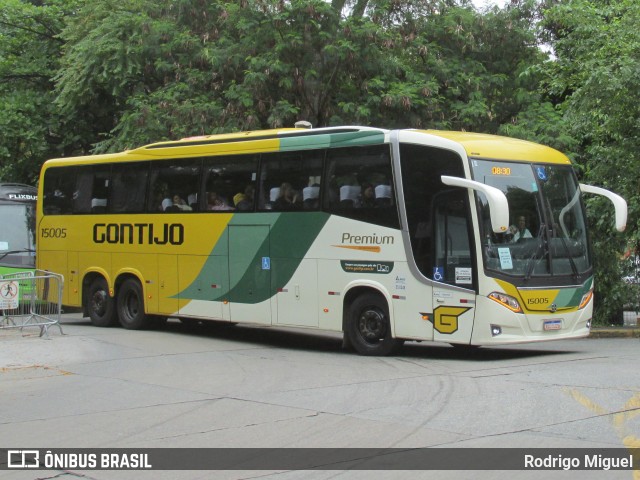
x,y
100,306
369,328
130,306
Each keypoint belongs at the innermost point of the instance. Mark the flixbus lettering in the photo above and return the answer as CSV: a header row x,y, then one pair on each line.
x,y
139,233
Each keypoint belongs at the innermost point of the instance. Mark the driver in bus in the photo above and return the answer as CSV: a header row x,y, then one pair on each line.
x,y
520,231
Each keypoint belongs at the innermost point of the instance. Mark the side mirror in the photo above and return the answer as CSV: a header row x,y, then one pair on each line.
x,y
498,204
619,204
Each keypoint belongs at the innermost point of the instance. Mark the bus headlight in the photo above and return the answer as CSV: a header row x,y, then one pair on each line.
x,y
585,299
506,301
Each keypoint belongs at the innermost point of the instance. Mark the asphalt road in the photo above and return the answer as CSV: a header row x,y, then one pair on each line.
x,y
257,387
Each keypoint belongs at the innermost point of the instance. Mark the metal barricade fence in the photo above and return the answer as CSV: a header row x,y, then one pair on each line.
x,y
31,299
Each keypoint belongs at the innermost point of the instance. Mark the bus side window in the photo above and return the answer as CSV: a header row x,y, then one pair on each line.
x,y
93,189
360,185
128,188
172,179
290,181
229,182
59,191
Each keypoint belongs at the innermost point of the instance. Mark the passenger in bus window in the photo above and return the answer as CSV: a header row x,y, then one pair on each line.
x,y
242,202
162,198
520,231
288,198
368,197
216,202
180,203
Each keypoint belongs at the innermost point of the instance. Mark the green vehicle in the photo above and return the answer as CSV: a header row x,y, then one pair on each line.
x,y
18,227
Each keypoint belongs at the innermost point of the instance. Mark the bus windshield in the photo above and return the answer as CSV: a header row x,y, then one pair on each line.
x,y
17,236
547,233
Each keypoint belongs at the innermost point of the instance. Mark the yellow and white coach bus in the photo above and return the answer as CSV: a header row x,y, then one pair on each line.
x,y
385,235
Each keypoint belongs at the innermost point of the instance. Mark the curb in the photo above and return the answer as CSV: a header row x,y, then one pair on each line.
x,y
615,332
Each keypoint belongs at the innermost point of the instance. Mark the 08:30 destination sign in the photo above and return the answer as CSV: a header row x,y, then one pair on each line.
x,y
501,171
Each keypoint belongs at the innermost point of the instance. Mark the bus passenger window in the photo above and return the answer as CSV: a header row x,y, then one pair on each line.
x,y
290,181
128,188
360,185
230,182
172,178
59,190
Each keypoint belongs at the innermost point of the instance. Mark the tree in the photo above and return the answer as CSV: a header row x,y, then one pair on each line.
x,y
596,74
139,71
30,127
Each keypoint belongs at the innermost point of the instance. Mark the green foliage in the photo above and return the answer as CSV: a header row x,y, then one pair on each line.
x,y
597,76
140,72
31,128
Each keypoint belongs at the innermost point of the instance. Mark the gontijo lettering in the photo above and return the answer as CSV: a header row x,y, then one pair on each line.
x,y
139,233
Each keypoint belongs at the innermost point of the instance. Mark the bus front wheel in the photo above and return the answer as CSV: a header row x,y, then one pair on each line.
x,y
100,305
368,327
130,306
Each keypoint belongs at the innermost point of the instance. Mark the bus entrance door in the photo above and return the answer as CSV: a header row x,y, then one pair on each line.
x,y
249,274
453,290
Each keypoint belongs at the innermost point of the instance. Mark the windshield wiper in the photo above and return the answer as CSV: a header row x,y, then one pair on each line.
x,y
574,269
11,252
542,240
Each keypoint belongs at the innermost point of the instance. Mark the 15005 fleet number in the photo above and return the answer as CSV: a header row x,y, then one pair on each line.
x,y
53,232
537,301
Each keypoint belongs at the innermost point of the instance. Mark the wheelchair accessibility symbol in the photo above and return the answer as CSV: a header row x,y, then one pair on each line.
x,y
542,173
438,274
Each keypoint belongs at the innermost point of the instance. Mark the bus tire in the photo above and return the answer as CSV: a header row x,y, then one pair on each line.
x,y
100,306
369,328
130,305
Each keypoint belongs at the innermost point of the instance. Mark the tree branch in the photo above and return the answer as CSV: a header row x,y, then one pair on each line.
x,y
31,30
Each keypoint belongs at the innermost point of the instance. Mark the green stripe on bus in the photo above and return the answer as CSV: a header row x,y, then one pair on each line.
x,y
331,140
237,262
571,297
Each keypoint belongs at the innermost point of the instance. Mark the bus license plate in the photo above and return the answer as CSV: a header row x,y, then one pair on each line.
x,y
552,324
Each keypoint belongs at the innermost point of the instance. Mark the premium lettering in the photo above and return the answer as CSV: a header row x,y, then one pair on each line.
x,y
374,239
139,233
